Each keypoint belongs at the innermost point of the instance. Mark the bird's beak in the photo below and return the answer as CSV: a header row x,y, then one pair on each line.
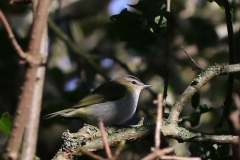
x,y
146,85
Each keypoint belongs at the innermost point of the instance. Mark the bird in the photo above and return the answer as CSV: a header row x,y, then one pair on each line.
x,y
114,102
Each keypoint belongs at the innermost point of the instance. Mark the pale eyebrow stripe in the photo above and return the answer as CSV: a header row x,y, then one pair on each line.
x,y
133,77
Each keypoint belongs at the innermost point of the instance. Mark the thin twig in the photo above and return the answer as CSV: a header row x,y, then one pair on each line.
x,y
179,158
230,81
159,121
235,117
119,149
193,60
15,44
104,137
167,54
156,153
236,99
91,154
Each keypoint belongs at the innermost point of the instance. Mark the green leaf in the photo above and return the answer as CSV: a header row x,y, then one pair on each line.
x,y
150,8
199,107
195,100
5,123
132,27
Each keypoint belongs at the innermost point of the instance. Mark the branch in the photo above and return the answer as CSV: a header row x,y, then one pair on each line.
x,y
104,137
167,54
159,121
230,81
30,59
193,60
89,137
235,118
157,152
18,1
15,44
195,85
106,145
216,139
26,97
31,133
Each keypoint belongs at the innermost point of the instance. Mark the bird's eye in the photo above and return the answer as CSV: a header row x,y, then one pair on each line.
x,y
134,82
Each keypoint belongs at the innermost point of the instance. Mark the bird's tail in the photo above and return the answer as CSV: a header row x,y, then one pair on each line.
x,y
59,113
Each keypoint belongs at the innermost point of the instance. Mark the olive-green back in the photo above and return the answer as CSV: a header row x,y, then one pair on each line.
x,y
110,91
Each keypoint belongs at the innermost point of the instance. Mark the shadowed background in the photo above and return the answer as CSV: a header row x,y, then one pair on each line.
x,y
197,25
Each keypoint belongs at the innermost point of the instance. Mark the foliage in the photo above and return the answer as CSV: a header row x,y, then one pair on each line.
x,y
134,27
211,151
142,52
5,123
199,107
221,4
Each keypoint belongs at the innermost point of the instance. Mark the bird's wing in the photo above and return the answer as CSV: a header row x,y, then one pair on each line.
x,y
109,91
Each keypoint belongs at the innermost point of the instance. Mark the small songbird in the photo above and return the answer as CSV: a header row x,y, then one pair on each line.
x,y
114,102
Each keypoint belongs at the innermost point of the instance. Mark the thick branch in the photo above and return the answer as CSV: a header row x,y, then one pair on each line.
x,y
195,85
89,137
31,133
23,109
215,139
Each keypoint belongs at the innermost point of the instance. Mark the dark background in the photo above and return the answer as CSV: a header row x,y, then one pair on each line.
x,y
197,25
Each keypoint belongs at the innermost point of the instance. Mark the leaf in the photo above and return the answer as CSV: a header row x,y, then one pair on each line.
x,y
150,8
5,123
221,5
132,27
210,151
195,100
199,107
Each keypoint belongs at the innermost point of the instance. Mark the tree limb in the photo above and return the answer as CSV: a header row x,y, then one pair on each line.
x,y
31,132
230,82
26,97
11,36
89,137
195,85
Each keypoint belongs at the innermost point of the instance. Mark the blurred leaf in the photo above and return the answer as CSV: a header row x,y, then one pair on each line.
x,y
206,29
150,8
5,123
131,27
199,107
221,5
210,151
195,100
163,24
134,27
